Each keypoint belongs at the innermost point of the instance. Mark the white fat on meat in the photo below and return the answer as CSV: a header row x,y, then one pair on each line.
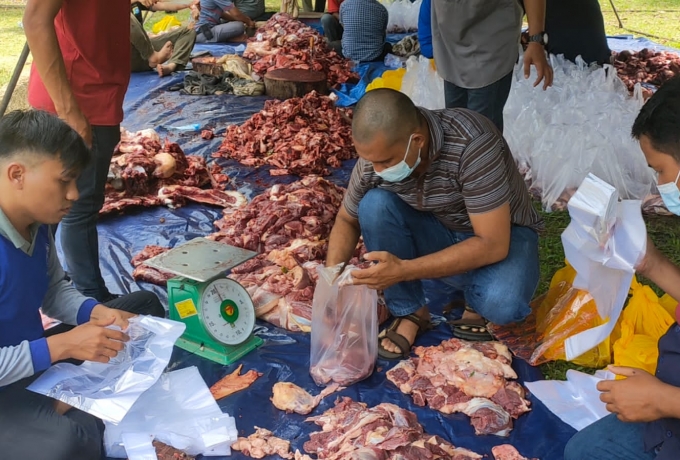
x,y
488,417
291,398
263,443
474,373
507,452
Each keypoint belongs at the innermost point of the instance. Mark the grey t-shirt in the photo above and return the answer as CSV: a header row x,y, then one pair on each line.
x,y
475,42
251,8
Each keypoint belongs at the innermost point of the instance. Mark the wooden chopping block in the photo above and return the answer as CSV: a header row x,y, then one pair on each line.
x,y
288,83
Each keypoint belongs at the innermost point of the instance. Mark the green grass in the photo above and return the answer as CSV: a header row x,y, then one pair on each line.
x,y
655,19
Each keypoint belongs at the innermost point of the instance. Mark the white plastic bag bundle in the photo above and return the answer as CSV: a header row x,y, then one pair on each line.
x,y
178,411
580,125
403,15
604,242
344,342
423,84
109,390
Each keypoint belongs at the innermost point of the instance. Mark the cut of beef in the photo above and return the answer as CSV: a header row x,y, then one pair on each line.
x,y
507,452
263,443
284,43
300,136
468,377
165,452
352,431
141,166
291,398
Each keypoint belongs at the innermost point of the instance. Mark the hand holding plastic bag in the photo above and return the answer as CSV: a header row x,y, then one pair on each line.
x,y
344,342
109,390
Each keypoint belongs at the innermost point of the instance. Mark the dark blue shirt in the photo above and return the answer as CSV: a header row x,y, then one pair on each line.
x,y
425,29
664,434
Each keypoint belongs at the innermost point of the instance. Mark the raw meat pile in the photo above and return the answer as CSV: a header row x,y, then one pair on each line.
x,y
298,136
263,443
468,377
289,226
646,66
353,431
284,43
144,172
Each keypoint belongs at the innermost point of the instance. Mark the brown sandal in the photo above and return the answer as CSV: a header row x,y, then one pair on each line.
x,y
399,340
474,330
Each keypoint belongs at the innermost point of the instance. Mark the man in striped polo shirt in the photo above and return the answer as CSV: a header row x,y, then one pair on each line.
x,y
437,194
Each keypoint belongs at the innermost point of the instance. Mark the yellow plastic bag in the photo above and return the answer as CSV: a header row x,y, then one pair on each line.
x,y
642,323
669,304
165,24
389,79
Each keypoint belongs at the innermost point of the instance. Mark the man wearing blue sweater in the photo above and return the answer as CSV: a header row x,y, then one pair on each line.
x,y
40,159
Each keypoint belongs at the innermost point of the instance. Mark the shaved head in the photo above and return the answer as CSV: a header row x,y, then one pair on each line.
x,y
387,112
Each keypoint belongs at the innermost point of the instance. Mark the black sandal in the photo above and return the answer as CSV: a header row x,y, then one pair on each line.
x,y
474,330
399,340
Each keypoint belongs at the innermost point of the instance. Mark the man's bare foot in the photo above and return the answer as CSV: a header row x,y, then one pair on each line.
x,y
161,56
165,69
408,329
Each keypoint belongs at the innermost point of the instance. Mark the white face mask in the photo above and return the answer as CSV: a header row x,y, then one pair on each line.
x,y
401,170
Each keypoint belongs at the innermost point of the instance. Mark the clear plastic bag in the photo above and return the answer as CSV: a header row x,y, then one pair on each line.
x,y
344,342
580,125
178,411
109,390
423,84
403,15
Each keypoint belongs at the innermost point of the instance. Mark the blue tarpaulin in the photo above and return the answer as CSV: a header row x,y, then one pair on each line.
x,y
285,356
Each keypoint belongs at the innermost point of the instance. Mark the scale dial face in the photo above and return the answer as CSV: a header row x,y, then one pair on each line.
x,y
227,311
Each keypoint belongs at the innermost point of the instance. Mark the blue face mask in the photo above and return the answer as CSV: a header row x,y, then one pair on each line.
x,y
401,170
670,194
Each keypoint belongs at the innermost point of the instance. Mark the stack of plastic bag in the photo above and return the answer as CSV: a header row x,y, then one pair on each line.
x,y
423,84
578,126
403,15
178,411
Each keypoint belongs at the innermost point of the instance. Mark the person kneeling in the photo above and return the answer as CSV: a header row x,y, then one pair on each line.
x,y
220,21
437,194
360,32
40,160
645,409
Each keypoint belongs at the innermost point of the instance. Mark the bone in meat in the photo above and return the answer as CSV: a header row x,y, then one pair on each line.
x,y
234,382
291,398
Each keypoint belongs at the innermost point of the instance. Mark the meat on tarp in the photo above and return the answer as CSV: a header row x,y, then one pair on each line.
x,y
299,136
146,172
284,43
475,378
352,430
646,66
289,226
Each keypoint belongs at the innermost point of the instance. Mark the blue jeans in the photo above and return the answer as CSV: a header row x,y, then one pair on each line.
x,y
609,439
500,292
488,101
79,238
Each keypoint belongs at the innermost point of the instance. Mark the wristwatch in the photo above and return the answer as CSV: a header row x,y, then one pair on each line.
x,y
541,38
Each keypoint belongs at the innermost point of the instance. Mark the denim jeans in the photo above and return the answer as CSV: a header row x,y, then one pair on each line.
x,y
332,29
488,101
500,292
79,238
609,439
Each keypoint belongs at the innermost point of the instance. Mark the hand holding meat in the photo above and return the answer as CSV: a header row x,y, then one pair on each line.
x,y
637,398
88,342
387,272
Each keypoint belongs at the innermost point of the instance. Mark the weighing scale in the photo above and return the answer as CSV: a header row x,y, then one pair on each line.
x,y
218,312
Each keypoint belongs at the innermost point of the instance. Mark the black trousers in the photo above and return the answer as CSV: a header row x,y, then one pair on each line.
x,y
30,428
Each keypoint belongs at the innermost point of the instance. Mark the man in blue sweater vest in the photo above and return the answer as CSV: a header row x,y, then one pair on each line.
x,y
40,159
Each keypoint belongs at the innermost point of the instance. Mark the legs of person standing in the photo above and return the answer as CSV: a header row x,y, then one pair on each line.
x,y
222,33
79,239
609,439
500,292
182,40
31,428
488,101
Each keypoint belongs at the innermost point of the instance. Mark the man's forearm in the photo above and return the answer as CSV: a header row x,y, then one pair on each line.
x,y
169,7
42,40
239,16
342,243
535,10
666,275
462,257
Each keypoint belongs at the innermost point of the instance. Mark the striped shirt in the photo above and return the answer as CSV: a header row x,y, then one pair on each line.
x,y
364,25
472,172
211,12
